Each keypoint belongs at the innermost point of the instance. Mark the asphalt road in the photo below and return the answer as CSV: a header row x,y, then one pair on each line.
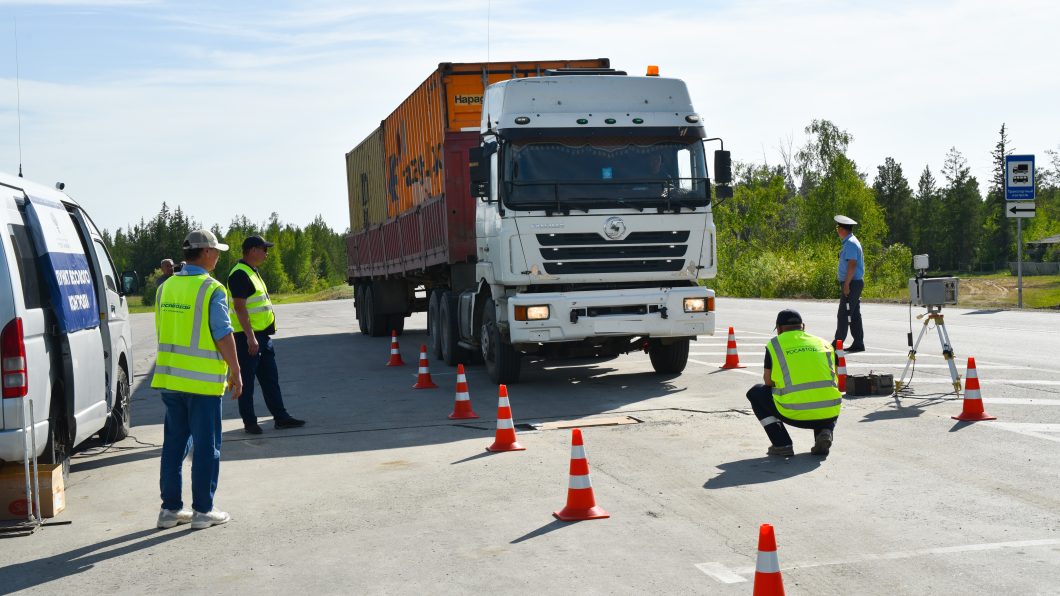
x,y
381,493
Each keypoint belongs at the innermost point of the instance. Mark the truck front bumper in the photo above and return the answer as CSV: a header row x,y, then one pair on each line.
x,y
574,316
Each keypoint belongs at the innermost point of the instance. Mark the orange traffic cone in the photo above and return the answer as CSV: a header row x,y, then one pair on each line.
x,y
841,369
462,407
423,381
732,359
768,581
505,439
973,402
581,504
395,353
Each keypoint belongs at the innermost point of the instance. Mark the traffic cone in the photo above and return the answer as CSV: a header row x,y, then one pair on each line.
x,y
973,402
395,353
462,407
423,381
581,504
505,439
768,581
732,359
841,368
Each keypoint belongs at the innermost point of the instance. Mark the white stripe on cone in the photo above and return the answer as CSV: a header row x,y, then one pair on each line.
x,y
580,482
768,562
505,423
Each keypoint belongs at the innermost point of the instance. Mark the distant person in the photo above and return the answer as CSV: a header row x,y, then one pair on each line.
x,y
167,271
255,323
799,387
196,357
851,278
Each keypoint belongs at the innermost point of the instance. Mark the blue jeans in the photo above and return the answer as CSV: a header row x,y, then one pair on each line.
x,y
263,367
191,420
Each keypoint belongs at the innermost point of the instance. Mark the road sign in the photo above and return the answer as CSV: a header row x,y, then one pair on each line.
x,y
1019,178
1020,209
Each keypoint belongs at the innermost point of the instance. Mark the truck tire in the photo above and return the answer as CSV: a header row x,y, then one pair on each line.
x,y
119,423
503,362
396,323
668,359
433,329
358,305
376,323
58,448
449,334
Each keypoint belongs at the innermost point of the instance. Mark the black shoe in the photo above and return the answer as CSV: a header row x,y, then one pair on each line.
x,y
290,423
855,348
253,430
822,442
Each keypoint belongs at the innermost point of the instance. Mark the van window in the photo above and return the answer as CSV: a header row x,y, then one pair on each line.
x,y
32,286
106,266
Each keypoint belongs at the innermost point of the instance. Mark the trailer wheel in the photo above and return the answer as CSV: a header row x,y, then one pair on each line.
x,y
396,323
449,335
376,323
503,362
358,305
433,328
119,423
670,358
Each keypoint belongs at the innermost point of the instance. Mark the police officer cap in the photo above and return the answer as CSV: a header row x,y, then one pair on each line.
x,y
845,221
788,317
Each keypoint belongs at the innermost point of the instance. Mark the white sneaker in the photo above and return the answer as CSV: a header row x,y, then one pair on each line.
x,y
167,518
204,520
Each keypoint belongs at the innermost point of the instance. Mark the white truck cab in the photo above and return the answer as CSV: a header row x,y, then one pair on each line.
x,y
65,338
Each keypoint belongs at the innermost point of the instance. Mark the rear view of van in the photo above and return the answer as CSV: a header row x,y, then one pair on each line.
x,y
65,339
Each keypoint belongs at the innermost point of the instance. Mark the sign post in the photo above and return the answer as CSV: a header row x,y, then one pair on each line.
x,y
1019,186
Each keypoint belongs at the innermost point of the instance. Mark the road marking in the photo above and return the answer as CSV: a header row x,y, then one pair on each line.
x,y
731,576
946,381
1021,401
1030,429
738,370
980,367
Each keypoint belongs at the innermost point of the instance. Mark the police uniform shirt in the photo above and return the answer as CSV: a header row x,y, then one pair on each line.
x,y
241,287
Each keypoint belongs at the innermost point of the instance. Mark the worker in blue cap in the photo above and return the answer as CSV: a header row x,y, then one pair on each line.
x,y
851,278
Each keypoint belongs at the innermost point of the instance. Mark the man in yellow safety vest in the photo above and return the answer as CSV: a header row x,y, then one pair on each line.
x,y
799,387
196,360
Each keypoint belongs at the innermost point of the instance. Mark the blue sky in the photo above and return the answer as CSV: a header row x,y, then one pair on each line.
x,y
233,108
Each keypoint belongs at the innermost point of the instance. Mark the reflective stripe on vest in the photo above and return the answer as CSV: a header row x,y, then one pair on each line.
x,y
259,306
188,360
807,390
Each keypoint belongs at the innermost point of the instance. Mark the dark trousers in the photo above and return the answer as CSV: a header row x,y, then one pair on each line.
x,y
849,314
190,420
263,367
765,409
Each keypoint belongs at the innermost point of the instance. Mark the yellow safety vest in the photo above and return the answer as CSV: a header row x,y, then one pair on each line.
x,y
188,358
805,386
259,307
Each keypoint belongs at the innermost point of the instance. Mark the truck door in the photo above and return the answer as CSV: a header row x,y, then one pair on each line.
x,y
67,271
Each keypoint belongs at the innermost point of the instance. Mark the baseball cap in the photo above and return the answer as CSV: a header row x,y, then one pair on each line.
x,y
203,239
788,317
254,242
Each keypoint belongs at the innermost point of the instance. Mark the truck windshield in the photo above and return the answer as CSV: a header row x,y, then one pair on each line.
x,y
598,173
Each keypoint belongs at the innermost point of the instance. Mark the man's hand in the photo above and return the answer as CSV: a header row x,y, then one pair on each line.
x,y
252,343
235,382
846,292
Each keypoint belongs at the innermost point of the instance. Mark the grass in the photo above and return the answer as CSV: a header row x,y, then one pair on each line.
x,y
334,293
998,290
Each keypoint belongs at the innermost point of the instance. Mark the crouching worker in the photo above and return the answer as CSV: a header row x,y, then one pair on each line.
x,y
800,387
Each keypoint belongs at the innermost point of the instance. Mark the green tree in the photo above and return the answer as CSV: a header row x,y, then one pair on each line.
x,y
896,199
962,203
996,239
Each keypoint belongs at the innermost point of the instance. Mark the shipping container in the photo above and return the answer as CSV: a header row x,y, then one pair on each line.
x,y
408,191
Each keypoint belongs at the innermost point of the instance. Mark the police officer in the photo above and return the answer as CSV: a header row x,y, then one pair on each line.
x,y
255,324
196,357
851,278
799,387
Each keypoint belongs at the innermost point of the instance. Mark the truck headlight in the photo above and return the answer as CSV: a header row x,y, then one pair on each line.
x,y
695,305
538,312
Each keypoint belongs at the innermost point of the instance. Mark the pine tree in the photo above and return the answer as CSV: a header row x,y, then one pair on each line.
x,y
963,205
997,238
896,199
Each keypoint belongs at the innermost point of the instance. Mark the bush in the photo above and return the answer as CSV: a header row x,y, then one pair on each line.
x,y
150,287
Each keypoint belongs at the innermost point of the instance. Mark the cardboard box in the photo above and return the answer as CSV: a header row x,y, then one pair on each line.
x,y
13,491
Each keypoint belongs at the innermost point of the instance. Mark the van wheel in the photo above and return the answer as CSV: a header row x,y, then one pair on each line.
x,y
503,362
669,358
58,448
119,423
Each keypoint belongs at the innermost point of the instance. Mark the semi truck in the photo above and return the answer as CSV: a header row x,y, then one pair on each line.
x,y
542,209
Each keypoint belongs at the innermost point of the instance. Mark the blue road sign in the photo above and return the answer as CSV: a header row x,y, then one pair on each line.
x,y
1019,177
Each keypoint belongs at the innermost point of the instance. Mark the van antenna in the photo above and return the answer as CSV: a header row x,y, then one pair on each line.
x,y
18,99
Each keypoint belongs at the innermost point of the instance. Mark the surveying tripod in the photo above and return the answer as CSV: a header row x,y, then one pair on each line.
x,y
934,313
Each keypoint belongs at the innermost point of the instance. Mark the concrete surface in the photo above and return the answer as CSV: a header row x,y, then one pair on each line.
x,y
381,494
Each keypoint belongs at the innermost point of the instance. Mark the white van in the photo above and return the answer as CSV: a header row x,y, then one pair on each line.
x,y
65,338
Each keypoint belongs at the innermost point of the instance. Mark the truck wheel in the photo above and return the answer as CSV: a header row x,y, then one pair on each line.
x,y
358,305
433,329
376,323
503,362
668,359
58,448
396,323
449,335
119,423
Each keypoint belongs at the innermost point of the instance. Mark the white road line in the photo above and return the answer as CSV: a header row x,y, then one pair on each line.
x,y
738,370
946,381
731,576
1030,429
1021,401
978,367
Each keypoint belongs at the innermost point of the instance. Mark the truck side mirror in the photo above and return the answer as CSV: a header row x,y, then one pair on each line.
x,y
130,282
722,167
478,172
723,192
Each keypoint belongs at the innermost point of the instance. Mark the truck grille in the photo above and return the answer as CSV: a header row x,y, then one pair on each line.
x,y
592,253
